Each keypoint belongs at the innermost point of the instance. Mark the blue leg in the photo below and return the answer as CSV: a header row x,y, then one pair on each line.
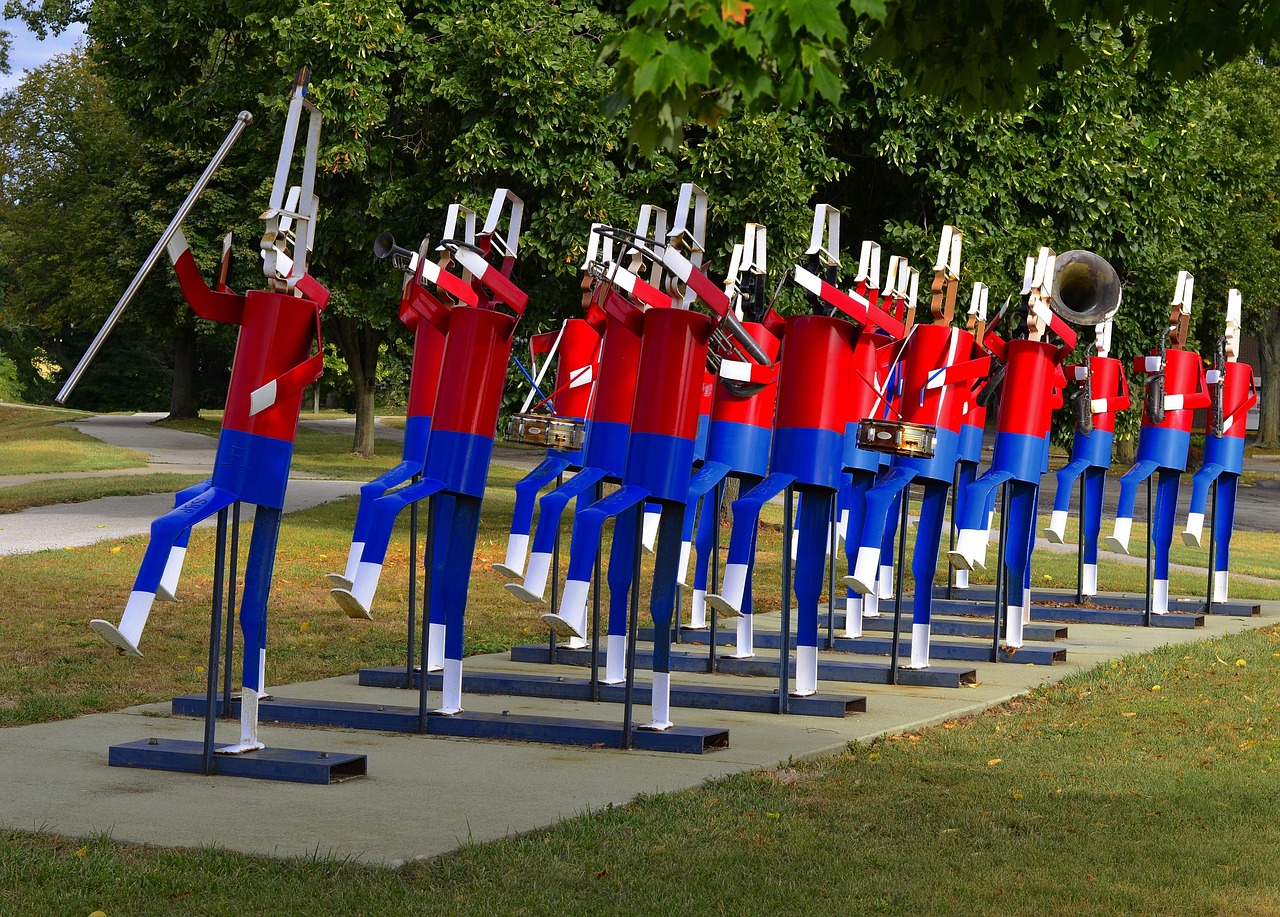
x,y
703,482
1118,540
877,534
357,600
662,602
620,574
1200,484
1095,484
438,561
924,563
369,493
550,511
167,589
971,543
1224,520
1067,476
165,532
742,543
570,620
1162,531
458,521
1020,517
253,622
860,482
815,526
522,519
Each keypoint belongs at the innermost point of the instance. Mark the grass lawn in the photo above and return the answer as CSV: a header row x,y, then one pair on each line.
x,y
34,442
16,498
1144,787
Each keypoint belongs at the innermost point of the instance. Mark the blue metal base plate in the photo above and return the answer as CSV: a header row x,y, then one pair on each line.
x,y
1130,600
882,646
523,728
1075,614
1038,632
865,672
743,700
287,764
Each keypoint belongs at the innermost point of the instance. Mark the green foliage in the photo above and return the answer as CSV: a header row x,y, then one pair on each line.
x,y
681,61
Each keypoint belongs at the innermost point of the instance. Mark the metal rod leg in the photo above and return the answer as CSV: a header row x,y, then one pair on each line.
x,y
229,647
784,645
429,551
718,492
1148,607
1002,574
897,587
1084,508
1213,551
834,535
413,593
633,621
595,612
215,638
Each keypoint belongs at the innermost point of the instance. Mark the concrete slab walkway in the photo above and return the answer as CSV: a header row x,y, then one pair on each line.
x,y
425,795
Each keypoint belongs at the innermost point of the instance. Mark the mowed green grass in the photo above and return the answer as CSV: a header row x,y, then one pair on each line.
x,y
1145,787
37,441
17,497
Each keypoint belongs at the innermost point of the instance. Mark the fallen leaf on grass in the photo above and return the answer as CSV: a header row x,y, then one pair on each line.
x,y
994,761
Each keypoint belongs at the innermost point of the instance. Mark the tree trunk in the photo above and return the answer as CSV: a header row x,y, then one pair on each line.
x,y
1269,370
182,400
359,345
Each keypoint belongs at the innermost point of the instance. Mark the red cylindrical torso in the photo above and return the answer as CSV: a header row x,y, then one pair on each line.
x,y
1181,377
1026,398
579,344
473,371
619,363
1235,392
757,409
424,379
1106,373
860,394
932,347
276,332
672,363
817,364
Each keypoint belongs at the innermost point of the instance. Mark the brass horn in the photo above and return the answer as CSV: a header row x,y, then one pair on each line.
x,y
401,258
1086,288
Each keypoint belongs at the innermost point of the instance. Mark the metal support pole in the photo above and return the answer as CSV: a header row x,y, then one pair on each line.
x,y
595,614
718,491
229,647
834,535
1213,551
784,637
215,636
555,579
1151,539
633,623
429,549
897,585
1080,538
413,590
953,531
1002,574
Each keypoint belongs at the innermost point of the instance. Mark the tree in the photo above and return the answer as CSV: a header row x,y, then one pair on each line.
x,y
685,61
1242,131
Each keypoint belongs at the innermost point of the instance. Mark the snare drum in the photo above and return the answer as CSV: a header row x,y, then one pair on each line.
x,y
898,437
564,433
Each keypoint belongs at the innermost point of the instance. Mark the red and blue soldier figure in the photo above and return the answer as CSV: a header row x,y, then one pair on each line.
x,y
273,365
1232,395
615,301
477,349
1175,389
873,355
741,424
424,379
973,421
808,451
937,370
576,350
1032,389
1102,394
660,454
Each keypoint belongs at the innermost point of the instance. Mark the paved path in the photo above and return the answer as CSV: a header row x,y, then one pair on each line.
x,y
78,524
